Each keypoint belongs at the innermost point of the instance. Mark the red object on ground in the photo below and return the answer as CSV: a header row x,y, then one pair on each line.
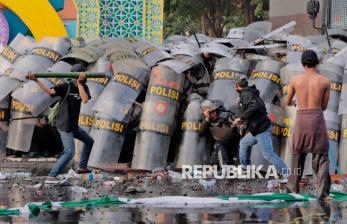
x,y
337,178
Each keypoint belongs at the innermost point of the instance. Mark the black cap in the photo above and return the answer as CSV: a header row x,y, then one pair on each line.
x,y
78,68
310,58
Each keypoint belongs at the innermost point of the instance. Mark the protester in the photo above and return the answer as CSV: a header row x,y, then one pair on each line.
x,y
219,123
75,92
258,126
310,133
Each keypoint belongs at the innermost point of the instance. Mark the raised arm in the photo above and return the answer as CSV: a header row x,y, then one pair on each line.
x,y
41,85
81,88
326,96
291,93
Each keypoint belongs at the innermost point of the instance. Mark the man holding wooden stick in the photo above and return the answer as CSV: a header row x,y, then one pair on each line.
x,y
72,93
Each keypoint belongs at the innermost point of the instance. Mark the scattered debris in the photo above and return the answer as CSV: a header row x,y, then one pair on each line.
x,y
2,176
109,183
273,185
337,187
76,189
134,190
208,185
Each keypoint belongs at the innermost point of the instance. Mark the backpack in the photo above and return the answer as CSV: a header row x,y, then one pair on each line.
x,y
53,111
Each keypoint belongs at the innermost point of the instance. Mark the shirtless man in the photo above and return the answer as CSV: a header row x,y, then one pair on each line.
x,y
310,134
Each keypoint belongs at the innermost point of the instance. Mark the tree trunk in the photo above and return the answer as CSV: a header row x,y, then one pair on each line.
x,y
248,11
203,25
168,7
210,24
219,18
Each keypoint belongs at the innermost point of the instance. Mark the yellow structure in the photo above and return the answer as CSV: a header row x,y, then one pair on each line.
x,y
39,16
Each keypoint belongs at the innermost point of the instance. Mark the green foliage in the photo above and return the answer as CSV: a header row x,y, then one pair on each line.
x,y
260,8
219,15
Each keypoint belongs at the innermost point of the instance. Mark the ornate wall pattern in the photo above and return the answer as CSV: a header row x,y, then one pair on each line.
x,y
121,18
88,18
154,14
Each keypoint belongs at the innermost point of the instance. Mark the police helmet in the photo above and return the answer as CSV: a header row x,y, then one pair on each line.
x,y
209,104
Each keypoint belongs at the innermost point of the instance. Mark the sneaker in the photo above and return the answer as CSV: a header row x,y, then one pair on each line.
x,y
57,181
52,180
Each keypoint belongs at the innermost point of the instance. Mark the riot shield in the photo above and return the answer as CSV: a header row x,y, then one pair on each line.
x,y
88,54
275,113
201,37
266,77
338,34
4,118
179,66
33,97
278,34
339,58
20,131
337,45
96,86
320,41
193,147
128,81
151,151
7,85
257,30
190,60
44,54
105,42
117,54
231,42
333,72
296,45
222,87
287,135
175,39
184,49
11,53
287,73
198,75
333,123
343,100
237,33
343,145
108,135
151,55
158,119
217,49
77,42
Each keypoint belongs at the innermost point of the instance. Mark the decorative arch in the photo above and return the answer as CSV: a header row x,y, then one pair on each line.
x,y
39,16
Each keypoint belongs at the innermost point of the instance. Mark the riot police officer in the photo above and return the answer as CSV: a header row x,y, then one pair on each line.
x,y
218,123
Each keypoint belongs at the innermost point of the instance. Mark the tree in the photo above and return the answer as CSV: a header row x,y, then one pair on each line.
x,y
211,17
